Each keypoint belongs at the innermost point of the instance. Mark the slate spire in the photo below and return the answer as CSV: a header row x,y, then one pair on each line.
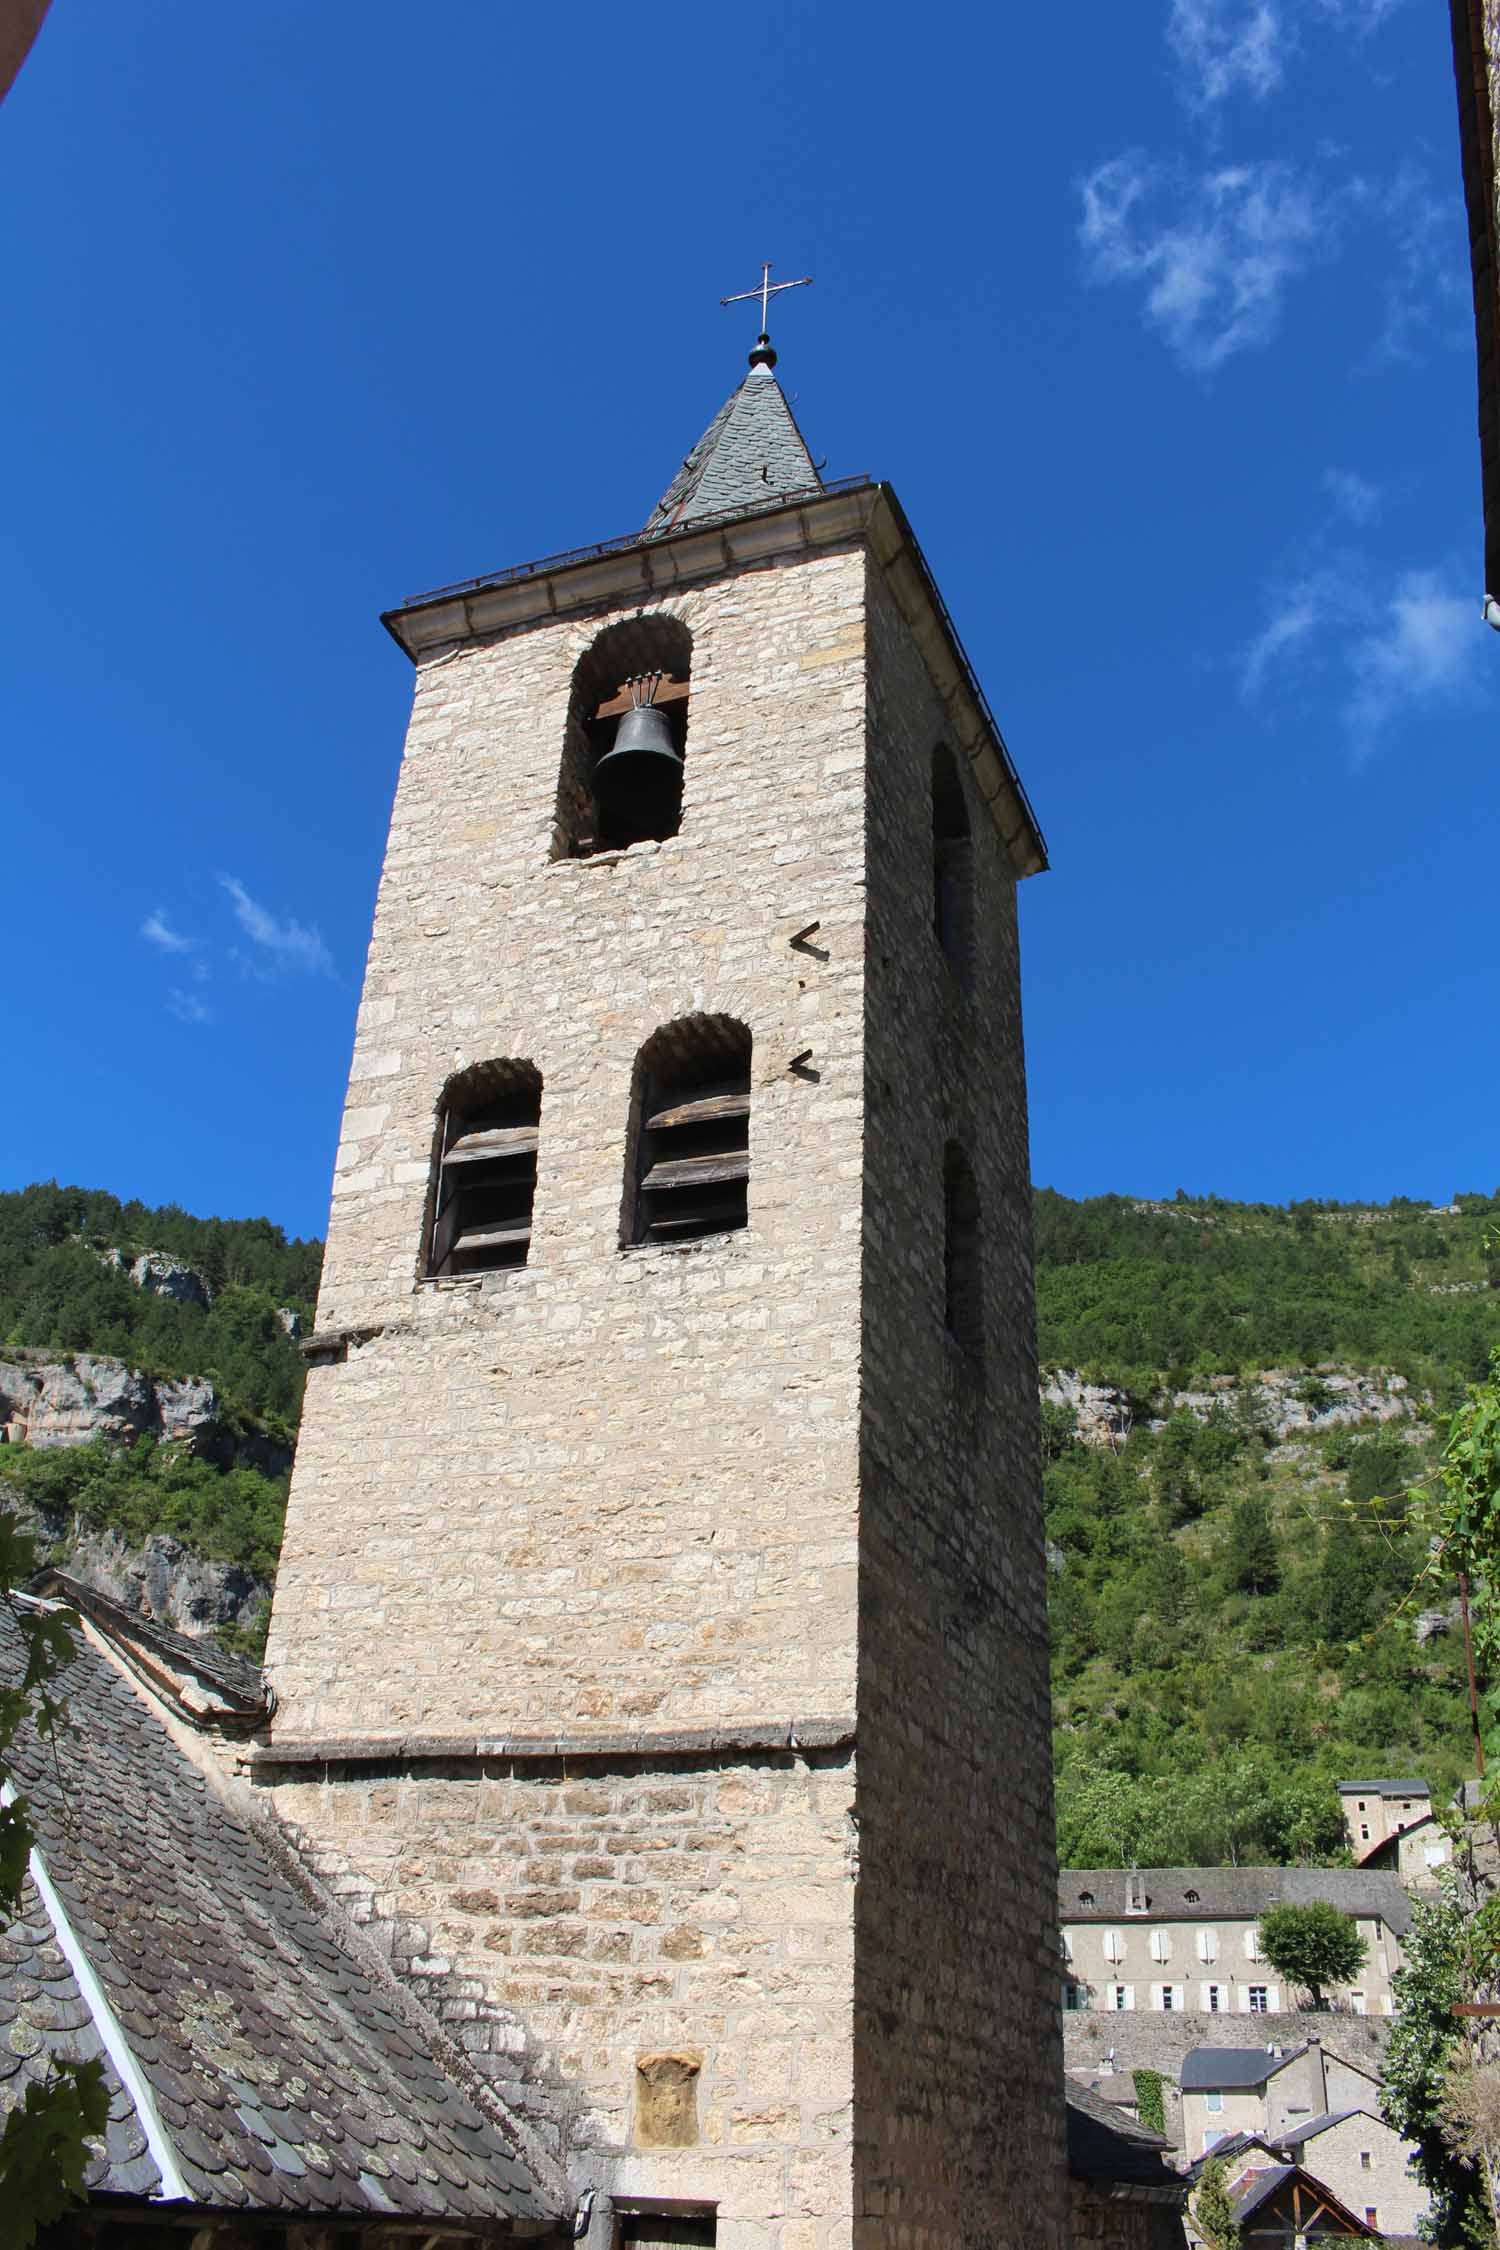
x,y
751,455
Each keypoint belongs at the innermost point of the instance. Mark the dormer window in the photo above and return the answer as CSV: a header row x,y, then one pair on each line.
x,y
1191,1897
626,742
1085,1898
1135,1894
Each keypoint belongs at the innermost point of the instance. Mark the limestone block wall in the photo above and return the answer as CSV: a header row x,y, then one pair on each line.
x,y
1148,2041
612,1487
958,2059
570,1925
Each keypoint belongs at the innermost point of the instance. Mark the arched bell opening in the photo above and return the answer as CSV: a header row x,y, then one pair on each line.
x,y
622,768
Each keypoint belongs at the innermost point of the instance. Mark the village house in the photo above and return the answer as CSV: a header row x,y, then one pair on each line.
x,y
1391,1824
1187,1939
1306,2106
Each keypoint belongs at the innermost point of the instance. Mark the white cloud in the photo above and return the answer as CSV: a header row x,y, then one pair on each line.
x,y
1354,497
157,930
1419,651
1215,253
1300,608
1425,267
1221,45
188,1007
286,945
1380,647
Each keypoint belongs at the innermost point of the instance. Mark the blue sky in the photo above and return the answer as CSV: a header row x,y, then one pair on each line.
x,y
1157,319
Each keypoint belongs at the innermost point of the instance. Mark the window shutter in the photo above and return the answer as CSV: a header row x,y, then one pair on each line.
x,y
1161,1945
1208,1945
486,1183
1252,1942
1113,1950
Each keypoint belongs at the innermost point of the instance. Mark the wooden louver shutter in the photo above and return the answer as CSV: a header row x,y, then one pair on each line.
x,y
486,1189
695,1161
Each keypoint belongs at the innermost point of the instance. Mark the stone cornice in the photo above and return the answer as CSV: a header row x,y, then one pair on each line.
x,y
698,1745
643,570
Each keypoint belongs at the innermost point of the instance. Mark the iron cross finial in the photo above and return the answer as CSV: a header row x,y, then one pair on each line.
x,y
763,356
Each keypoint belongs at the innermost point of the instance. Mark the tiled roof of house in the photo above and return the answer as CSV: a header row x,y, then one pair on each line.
x,y
1383,1788
1206,1894
286,2072
751,453
1105,2145
1294,2135
1216,2069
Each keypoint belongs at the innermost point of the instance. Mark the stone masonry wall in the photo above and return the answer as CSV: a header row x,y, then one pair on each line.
x,y
568,1924
613,1487
958,2064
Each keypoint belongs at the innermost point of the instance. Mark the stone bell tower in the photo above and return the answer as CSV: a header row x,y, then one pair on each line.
x,y
659,1643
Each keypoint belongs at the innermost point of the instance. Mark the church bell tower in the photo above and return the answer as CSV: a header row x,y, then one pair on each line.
x,y
659,1644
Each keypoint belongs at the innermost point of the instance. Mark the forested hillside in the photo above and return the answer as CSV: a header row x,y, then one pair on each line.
x,y
66,1289
1239,1611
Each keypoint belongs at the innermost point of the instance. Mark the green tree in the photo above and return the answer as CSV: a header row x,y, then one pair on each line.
x,y
1212,2211
1251,1562
1312,1946
43,2148
1450,1951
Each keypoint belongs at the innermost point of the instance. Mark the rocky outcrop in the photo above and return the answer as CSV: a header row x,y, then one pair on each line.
x,y
162,1580
1281,1403
89,1398
162,1275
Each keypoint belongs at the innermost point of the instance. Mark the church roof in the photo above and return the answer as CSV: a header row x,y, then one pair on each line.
x,y
751,455
256,2057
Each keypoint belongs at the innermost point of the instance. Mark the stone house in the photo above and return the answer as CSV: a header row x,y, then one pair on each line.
x,y
1282,2207
1271,2090
1311,2107
1414,1855
1376,1810
1187,1939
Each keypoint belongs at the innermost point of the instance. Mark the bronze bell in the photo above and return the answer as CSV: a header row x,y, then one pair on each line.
x,y
638,781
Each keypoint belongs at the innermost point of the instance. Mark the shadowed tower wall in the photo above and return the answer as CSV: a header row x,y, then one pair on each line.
x,y
629,1595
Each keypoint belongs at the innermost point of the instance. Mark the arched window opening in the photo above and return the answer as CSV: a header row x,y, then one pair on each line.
x,y
486,1182
690,1163
963,1300
621,778
952,867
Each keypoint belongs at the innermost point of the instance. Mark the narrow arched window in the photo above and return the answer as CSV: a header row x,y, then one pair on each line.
x,y
963,1280
689,1166
952,867
626,741
486,1173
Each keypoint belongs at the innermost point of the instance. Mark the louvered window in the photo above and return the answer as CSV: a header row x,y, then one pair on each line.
x,y
486,1182
692,1155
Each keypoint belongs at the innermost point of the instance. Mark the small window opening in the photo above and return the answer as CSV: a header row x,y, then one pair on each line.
x,y
626,741
963,1310
486,1183
952,867
691,1161
684,2228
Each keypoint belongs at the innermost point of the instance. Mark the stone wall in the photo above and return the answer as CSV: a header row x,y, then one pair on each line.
x,y
958,2060
1144,2040
571,1926
1100,2221
611,1486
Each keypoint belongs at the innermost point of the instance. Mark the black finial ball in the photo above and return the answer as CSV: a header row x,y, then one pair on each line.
x,y
763,355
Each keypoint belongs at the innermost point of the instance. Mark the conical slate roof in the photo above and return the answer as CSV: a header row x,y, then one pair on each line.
x,y
751,455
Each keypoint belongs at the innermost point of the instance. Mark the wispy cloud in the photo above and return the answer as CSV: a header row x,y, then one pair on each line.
x,y
1425,270
1354,497
157,930
1220,46
188,1007
1215,253
1378,647
1422,643
282,945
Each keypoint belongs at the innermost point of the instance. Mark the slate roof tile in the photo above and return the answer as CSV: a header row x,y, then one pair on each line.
x,y
286,2073
751,455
